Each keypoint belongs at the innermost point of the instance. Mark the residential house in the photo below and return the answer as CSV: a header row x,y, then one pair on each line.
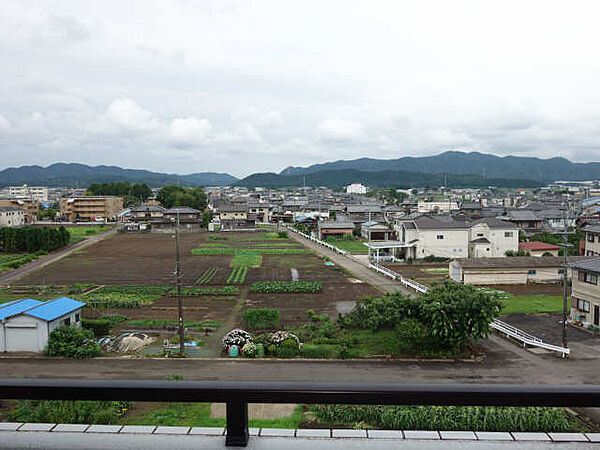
x,y
262,211
236,217
335,229
25,325
537,248
147,213
437,207
526,220
30,207
363,213
11,216
375,231
585,292
592,240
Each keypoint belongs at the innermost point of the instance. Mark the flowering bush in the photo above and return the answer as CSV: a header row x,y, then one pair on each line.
x,y
280,336
237,337
249,350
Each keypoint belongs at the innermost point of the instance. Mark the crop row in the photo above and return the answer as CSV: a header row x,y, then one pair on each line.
x,y
226,251
226,290
12,261
125,301
169,323
237,275
133,290
207,276
287,286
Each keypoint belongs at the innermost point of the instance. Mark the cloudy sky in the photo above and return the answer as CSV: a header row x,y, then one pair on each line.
x,y
191,86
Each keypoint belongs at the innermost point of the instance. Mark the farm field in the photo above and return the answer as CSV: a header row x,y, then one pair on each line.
x,y
131,275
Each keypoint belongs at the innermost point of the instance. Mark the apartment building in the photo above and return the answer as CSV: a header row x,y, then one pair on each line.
x,y
441,207
90,208
39,193
585,292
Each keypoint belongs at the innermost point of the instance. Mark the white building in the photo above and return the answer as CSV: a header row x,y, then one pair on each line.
x,y
356,188
442,207
39,193
11,216
25,325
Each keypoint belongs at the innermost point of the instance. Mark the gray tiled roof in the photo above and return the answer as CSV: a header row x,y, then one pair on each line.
x,y
516,262
592,265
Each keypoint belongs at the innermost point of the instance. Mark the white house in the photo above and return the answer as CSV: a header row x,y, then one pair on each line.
x,y
11,216
442,207
26,324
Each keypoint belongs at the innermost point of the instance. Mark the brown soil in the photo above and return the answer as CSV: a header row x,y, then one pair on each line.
x,y
529,289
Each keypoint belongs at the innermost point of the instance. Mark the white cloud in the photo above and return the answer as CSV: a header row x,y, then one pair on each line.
x,y
4,123
129,115
190,130
340,130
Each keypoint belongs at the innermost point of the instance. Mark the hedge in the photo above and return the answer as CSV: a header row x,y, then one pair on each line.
x,y
316,351
30,239
258,319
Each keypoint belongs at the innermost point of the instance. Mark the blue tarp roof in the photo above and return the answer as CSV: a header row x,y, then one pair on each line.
x,y
53,309
17,307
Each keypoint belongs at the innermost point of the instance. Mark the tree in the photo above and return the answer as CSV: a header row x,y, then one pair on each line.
x,y
72,342
173,195
206,218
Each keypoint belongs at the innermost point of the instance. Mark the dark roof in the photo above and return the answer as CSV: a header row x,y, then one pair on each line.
x,y
148,208
470,205
233,208
335,225
480,241
182,210
592,265
522,215
592,228
531,262
440,222
364,208
495,223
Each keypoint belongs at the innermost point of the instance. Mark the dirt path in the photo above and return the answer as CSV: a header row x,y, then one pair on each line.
x,y
359,269
26,269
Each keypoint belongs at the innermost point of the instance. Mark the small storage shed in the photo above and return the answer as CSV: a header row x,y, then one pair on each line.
x,y
26,324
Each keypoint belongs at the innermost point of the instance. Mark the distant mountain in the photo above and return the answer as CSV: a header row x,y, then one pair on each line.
x,y
454,162
80,175
384,178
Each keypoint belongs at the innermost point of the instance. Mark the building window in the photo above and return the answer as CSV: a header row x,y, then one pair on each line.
x,y
583,305
77,317
531,272
590,237
479,234
508,234
587,277
440,236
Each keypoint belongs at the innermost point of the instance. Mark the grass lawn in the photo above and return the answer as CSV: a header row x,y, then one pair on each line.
x,y
375,343
80,233
532,304
198,415
356,246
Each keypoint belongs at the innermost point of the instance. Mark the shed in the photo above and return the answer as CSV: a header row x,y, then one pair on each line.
x,y
26,324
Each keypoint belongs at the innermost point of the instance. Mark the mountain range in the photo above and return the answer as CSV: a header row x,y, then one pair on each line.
x,y
451,168
453,162
80,175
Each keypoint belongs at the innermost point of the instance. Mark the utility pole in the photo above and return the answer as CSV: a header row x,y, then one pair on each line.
x,y
565,245
178,281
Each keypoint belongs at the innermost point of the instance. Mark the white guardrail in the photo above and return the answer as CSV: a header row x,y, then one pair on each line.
x,y
502,327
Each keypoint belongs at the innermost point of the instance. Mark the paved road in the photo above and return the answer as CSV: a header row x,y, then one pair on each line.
x,y
26,269
359,269
505,363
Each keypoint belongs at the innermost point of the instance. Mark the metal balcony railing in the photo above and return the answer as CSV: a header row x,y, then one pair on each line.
x,y
237,395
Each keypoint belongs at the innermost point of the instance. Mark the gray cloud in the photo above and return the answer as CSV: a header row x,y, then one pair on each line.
x,y
238,87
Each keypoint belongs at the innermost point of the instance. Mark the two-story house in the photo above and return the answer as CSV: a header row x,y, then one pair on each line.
x,y
236,217
592,240
585,293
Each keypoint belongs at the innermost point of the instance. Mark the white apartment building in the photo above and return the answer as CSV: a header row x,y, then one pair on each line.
x,y
356,188
39,193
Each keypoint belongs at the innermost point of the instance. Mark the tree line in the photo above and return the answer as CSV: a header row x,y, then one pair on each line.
x,y
133,194
31,240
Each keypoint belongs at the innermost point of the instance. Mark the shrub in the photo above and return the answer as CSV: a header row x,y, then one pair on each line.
x,y
249,350
99,327
258,319
287,349
413,337
282,234
66,411
280,336
79,288
72,342
316,351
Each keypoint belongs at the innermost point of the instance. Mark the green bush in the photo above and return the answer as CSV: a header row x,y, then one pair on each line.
x,y
260,319
79,288
287,349
413,337
282,234
72,342
99,327
33,239
65,411
316,351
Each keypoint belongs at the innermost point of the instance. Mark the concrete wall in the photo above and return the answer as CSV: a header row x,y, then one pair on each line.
x,y
455,243
499,242
497,276
592,248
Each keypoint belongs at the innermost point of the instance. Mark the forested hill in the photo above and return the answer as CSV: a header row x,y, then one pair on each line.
x,y
454,162
384,178
81,175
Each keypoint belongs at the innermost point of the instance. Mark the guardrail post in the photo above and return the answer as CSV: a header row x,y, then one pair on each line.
x,y
237,424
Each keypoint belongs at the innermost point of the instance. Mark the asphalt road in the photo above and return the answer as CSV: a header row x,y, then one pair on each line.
x,y
505,363
26,269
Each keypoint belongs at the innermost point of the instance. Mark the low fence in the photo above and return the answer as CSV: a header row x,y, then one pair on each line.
x,y
319,241
421,288
237,394
525,338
